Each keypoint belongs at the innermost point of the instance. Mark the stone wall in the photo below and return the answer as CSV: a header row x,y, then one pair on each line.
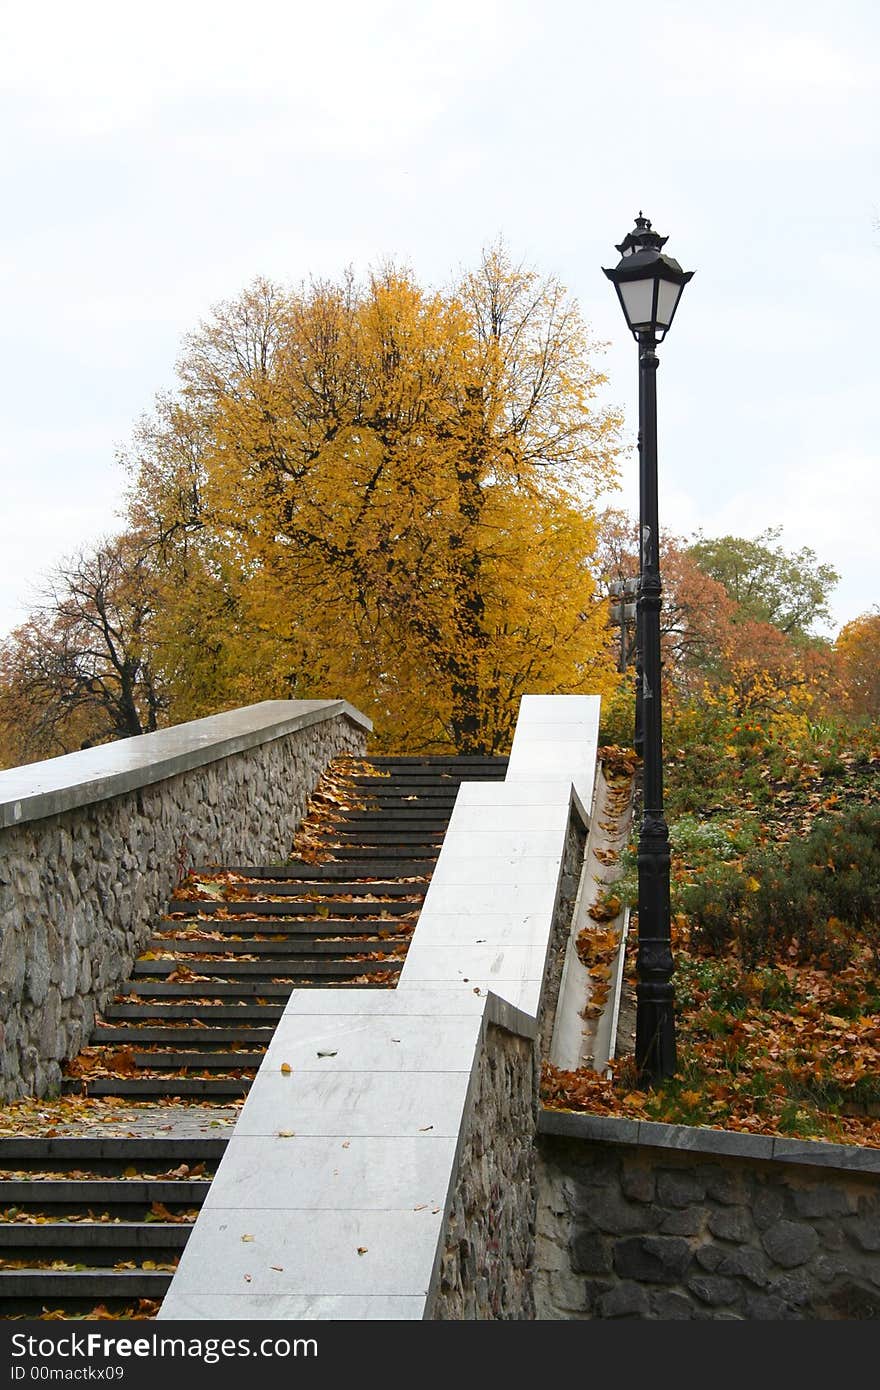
x,y
488,1256
487,1262
572,864
80,890
630,1231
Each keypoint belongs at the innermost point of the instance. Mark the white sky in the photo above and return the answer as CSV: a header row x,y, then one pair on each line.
x,y
155,159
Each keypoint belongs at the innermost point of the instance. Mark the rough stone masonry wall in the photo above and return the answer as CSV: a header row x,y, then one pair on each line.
x,y
635,1232
486,1267
80,891
488,1261
572,864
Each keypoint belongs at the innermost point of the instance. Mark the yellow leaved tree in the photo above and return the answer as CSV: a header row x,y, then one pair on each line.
x,y
383,492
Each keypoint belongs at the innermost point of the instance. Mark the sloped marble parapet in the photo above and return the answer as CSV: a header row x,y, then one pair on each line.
x,y
94,774
93,842
377,1121
557,736
336,1180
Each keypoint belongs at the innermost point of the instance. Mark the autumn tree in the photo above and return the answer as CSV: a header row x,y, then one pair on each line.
x,y
858,650
385,491
80,670
767,583
696,613
713,644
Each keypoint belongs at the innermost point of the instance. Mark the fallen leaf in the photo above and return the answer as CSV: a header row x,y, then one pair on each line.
x,y
286,1069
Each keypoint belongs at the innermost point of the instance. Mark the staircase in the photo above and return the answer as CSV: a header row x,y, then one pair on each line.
x,y
93,1227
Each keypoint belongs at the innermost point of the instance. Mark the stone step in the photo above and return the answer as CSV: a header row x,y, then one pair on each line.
x,y
482,772
420,818
96,1285
369,839
293,907
93,1193
435,761
75,1149
220,1088
95,1237
379,869
377,888
344,856
206,1013
206,1037
268,988
187,951
403,797
200,1061
408,783
291,927
277,969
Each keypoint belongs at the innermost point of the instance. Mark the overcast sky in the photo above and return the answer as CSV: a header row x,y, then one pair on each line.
x,y
155,159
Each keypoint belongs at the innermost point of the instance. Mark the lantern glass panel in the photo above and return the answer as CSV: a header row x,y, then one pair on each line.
x,y
667,298
638,302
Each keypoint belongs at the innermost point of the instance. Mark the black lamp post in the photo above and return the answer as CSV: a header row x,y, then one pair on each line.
x,y
649,286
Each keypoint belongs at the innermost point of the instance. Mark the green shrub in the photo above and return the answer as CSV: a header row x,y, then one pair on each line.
x,y
691,838
818,897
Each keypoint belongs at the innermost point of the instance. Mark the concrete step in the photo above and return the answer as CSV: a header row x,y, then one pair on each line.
x,y
406,797
117,1240
370,839
186,950
345,855
90,1194
102,1286
268,970
113,1153
439,761
206,1037
269,988
198,1013
378,869
295,907
210,1060
329,888
292,928
400,818
152,1088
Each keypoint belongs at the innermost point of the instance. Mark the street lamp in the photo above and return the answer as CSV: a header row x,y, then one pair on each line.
x,y
649,286
625,615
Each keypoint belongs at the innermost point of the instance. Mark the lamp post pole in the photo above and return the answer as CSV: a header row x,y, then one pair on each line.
x,y
655,1015
649,285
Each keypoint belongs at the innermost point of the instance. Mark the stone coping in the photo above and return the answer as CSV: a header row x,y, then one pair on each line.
x,y
815,1153
96,774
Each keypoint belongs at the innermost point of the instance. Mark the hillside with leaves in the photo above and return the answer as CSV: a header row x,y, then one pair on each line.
x,y
775,894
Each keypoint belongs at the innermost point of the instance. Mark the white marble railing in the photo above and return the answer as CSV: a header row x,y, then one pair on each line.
x,y
360,1143
91,845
